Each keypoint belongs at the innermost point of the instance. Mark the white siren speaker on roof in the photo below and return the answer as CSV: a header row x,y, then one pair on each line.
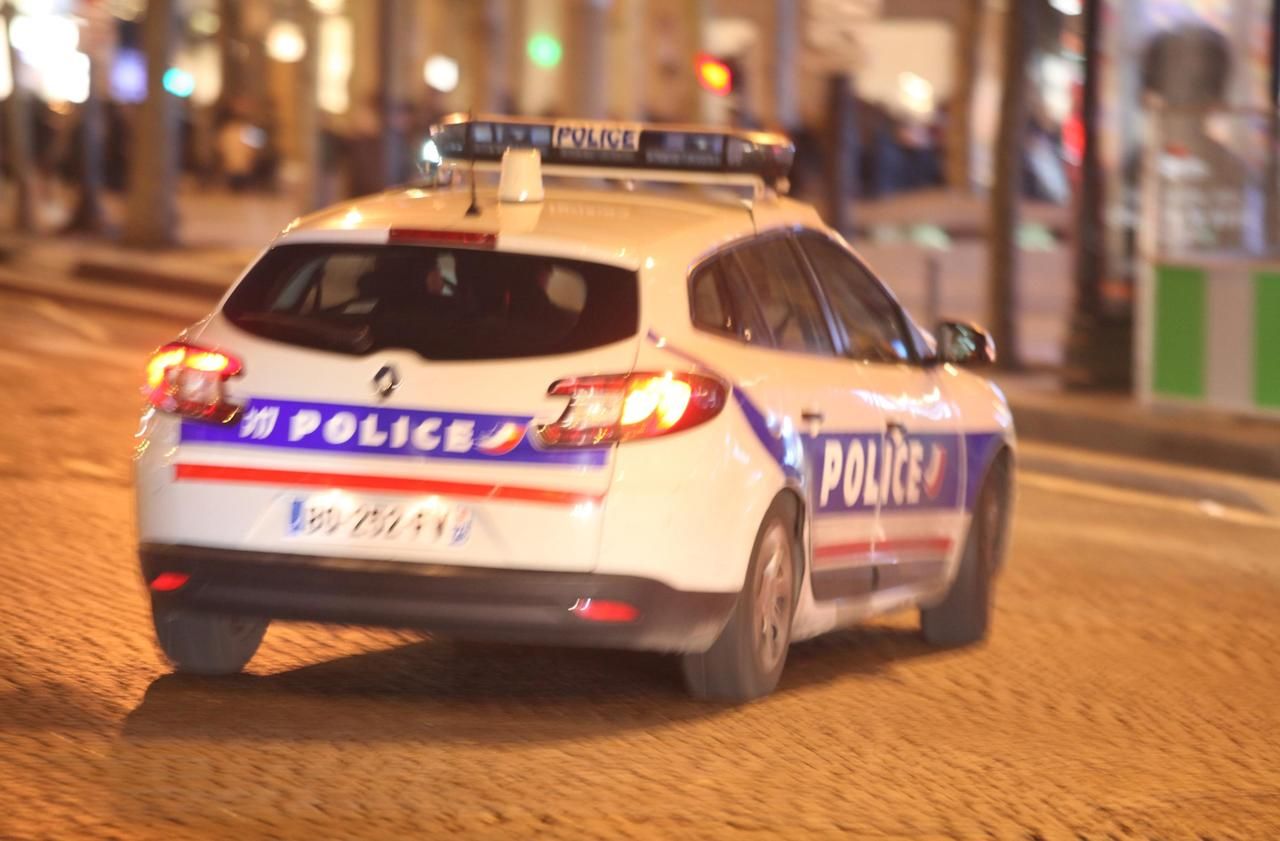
x,y
521,179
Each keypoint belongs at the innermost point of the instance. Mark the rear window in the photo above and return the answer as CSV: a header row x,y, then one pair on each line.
x,y
441,303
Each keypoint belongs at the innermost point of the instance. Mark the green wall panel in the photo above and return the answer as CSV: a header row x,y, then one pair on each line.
x,y
1179,352
1266,332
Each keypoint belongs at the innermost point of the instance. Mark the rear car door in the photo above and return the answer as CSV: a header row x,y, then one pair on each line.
x,y
390,398
921,457
830,407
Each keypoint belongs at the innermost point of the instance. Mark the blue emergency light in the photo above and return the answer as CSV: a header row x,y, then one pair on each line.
x,y
618,146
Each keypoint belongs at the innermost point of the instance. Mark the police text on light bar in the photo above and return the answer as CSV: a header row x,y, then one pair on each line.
x,y
588,143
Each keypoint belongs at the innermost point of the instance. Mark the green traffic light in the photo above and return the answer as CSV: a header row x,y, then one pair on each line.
x,y
544,50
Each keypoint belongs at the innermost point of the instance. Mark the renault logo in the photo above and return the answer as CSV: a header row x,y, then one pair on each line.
x,y
386,381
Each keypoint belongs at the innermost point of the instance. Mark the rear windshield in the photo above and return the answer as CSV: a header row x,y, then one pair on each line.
x,y
442,303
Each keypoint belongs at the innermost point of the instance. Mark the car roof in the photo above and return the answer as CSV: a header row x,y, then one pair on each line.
x,y
610,225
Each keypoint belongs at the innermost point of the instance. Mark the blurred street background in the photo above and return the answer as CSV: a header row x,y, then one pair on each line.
x,y
1095,180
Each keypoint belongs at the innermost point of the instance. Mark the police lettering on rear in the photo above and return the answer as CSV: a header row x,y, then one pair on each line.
x,y
858,473
418,433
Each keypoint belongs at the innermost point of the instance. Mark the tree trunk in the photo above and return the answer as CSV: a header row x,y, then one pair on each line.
x,y
960,116
311,186
1099,351
786,57
88,216
589,66
391,34
152,217
697,17
1002,292
18,139
632,40
493,91
229,56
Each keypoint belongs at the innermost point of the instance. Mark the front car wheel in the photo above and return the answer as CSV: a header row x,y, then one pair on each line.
x,y
964,616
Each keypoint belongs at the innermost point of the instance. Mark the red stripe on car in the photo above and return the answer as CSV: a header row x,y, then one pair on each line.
x,y
915,544
397,484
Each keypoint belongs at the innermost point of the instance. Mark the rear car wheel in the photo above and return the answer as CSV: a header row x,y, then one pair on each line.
x,y
964,617
207,643
747,659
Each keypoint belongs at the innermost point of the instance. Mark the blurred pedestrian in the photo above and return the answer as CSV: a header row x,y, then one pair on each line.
x,y
238,145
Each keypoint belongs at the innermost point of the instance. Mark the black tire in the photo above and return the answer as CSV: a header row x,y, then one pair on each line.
x,y
964,616
207,643
746,661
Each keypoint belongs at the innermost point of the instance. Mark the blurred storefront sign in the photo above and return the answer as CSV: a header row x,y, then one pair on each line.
x,y
1209,274
1187,150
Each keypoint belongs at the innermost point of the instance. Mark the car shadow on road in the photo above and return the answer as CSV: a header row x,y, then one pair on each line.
x,y
439,690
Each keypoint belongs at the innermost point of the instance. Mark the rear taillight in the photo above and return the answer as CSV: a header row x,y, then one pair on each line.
x,y
609,409
188,380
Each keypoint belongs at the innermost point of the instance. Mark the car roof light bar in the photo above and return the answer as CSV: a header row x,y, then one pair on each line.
x,y
642,151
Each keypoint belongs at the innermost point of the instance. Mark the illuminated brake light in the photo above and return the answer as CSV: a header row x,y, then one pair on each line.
x,y
188,380
167,582
606,410
665,399
603,610
464,239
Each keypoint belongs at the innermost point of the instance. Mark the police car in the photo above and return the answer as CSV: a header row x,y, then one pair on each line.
x,y
590,405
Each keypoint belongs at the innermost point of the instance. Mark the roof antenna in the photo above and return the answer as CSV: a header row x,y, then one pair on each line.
x,y
474,208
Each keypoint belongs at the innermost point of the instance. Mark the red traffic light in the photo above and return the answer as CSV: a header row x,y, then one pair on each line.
x,y
714,75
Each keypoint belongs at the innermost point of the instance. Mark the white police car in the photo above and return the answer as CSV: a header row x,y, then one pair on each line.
x,y
592,414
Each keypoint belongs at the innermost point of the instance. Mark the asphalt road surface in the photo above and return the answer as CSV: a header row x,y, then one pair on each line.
x,y
1131,688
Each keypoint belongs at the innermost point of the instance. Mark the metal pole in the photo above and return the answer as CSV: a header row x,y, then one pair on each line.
x,y
842,151
786,36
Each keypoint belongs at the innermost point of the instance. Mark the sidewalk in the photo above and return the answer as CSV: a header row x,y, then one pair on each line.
x,y
220,232
1117,423
961,215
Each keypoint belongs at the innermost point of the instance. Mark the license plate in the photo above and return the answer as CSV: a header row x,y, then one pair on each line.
x,y
344,517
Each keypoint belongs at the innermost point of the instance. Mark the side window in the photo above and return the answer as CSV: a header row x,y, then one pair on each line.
x,y
710,310
721,304
873,322
787,301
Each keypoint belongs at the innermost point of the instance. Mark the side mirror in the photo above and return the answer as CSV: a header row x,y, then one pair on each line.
x,y
963,343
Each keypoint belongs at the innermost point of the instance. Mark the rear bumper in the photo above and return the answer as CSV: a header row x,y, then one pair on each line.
x,y
491,604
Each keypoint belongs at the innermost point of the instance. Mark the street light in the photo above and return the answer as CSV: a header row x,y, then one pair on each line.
x,y
285,42
441,73
544,50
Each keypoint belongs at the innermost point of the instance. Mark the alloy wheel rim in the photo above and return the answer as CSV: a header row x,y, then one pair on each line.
x,y
774,593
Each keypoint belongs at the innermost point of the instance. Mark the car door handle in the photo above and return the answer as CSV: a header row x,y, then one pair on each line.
x,y
812,416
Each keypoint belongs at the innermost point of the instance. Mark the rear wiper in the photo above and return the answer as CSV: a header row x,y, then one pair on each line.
x,y
309,330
